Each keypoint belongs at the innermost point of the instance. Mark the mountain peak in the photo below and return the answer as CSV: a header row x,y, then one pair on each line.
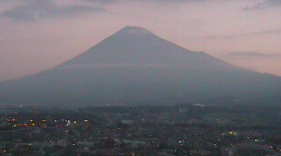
x,y
133,30
136,45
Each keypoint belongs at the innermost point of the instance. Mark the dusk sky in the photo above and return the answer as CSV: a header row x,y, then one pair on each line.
x,y
40,34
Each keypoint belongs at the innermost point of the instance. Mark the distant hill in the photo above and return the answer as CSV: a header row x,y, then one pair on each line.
x,y
134,66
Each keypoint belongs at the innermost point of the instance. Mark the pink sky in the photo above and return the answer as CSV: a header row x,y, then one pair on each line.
x,y
37,35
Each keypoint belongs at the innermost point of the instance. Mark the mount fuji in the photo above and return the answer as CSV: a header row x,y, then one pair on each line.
x,y
134,66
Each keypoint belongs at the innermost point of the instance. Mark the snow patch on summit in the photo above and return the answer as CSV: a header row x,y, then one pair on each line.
x,y
135,30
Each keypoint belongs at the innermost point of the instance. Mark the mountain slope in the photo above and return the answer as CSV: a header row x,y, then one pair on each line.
x,y
135,66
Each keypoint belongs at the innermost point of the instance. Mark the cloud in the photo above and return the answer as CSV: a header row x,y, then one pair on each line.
x,y
115,65
254,55
32,10
100,1
157,1
238,35
263,5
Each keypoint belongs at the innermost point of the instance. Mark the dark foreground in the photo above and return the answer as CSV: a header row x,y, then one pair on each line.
x,y
179,130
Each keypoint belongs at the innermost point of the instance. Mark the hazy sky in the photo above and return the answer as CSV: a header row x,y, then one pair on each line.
x,y
39,34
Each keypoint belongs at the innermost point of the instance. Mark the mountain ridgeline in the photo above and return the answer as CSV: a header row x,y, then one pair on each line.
x,y
134,66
